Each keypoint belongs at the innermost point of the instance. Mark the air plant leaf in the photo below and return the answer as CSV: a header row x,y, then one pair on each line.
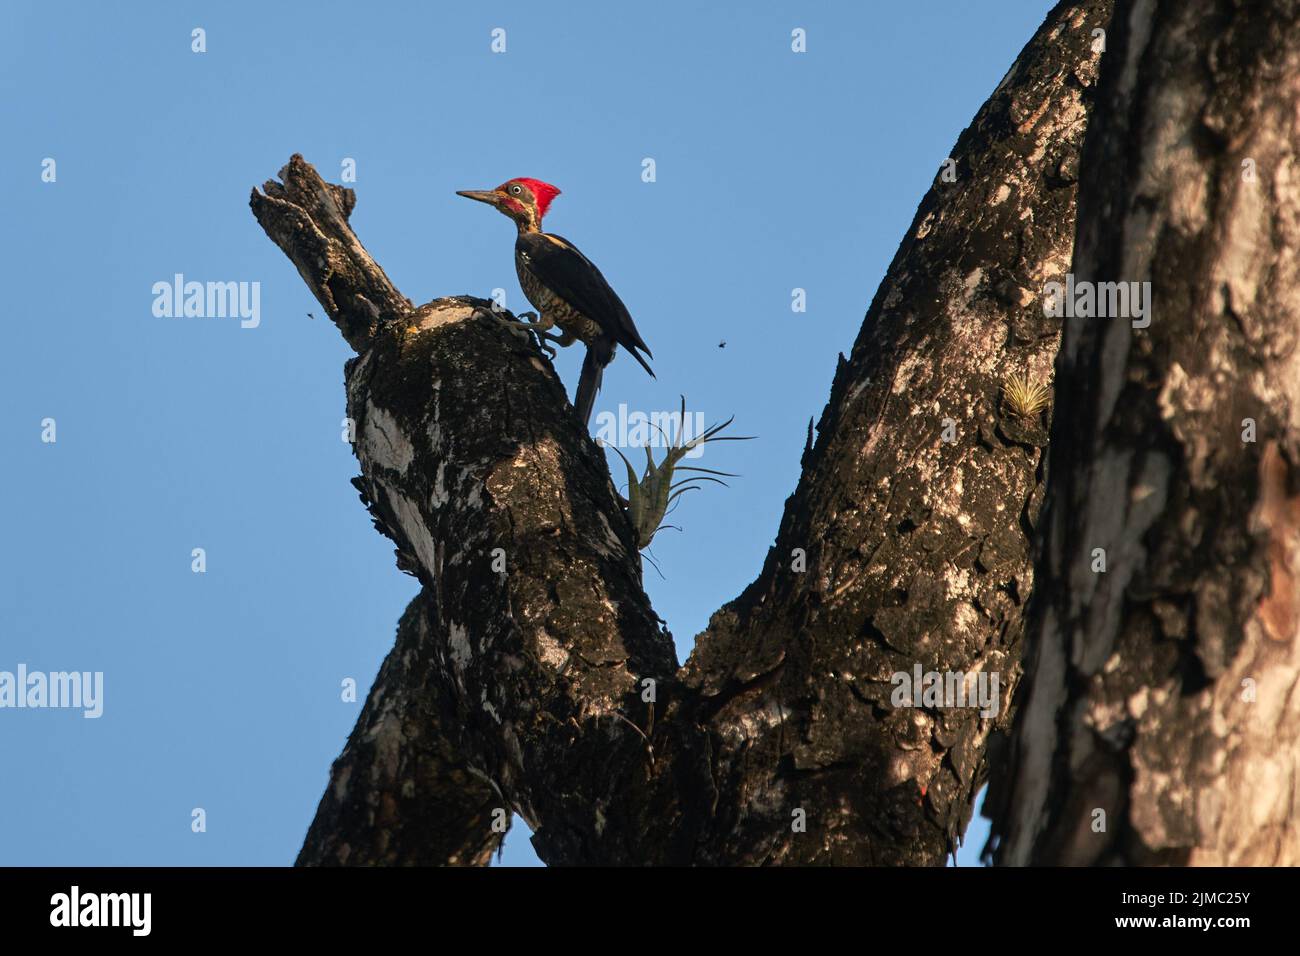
x,y
650,496
1025,396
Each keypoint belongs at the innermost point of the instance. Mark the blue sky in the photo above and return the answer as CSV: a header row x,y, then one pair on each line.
x,y
774,171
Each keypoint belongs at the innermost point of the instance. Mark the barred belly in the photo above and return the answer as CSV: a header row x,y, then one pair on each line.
x,y
554,309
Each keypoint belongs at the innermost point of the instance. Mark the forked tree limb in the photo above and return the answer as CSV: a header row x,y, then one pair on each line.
x,y
535,681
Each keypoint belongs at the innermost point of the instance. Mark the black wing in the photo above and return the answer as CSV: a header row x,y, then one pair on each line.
x,y
564,270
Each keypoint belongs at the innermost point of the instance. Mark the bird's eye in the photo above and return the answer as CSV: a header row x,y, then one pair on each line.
x,y
516,189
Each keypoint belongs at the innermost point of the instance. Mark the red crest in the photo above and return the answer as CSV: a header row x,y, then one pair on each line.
x,y
542,192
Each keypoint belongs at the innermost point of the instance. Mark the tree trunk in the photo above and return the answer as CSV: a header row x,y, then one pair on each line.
x,y
1163,720
415,799
916,509
531,672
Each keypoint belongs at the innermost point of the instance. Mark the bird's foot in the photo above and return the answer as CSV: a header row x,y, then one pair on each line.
x,y
539,327
519,328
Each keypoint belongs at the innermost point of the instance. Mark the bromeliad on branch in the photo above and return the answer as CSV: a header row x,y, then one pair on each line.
x,y
648,499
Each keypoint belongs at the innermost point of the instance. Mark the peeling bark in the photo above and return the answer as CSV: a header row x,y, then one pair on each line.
x,y
552,686
1166,689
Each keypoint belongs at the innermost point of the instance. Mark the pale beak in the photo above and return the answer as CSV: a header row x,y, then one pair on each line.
x,y
489,196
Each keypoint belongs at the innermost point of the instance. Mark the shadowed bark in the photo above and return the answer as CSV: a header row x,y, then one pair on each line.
x,y
401,794
532,670
1162,724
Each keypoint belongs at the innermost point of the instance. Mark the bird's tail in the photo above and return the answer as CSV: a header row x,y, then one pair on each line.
x,y
593,370
644,364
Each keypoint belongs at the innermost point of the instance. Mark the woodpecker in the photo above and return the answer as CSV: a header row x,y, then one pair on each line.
x,y
565,288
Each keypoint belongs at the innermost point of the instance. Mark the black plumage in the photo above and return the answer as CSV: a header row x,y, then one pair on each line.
x,y
566,288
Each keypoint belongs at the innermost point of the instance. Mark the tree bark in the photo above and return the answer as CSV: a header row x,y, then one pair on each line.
x,y
415,800
1162,724
552,688
917,549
